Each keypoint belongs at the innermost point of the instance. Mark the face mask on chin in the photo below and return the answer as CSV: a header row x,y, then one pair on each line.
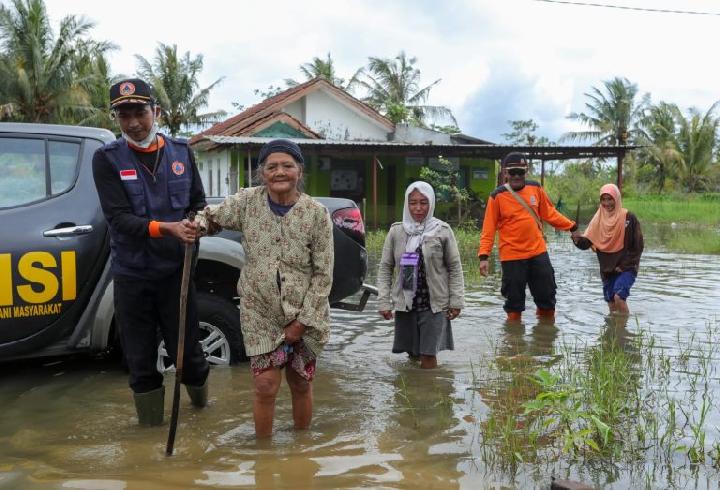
x,y
147,141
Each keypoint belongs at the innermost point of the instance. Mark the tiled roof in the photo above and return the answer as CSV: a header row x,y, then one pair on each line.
x,y
237,123
260,123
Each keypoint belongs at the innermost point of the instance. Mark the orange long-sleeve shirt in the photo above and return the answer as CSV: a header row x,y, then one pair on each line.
x,y
520,237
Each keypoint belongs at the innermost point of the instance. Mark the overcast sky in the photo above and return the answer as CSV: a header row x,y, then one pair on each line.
x,y
498,59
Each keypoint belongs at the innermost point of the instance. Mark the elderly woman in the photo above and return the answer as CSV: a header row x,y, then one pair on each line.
x,y
285,284
615,236
428,290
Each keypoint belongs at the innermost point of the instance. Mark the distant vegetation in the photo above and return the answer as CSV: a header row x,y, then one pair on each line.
x,y
61,75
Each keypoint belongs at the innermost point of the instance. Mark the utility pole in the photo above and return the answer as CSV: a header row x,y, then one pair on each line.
x,y
622,140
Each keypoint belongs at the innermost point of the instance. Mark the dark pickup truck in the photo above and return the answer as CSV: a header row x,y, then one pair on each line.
x,y
56,291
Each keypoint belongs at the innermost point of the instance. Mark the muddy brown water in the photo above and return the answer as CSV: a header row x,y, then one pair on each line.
x,y
379,421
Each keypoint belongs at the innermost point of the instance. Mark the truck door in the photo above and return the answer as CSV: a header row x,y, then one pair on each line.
x,y
53,243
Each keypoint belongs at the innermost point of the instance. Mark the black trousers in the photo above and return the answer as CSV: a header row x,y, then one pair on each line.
x,y
537,273
142,309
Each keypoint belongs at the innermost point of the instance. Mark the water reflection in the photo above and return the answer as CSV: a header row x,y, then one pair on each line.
x,y
542,398
380,421
272,472
615,334
421,427
518,356
539,343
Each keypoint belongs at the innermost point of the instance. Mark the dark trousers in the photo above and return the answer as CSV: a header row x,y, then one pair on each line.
x,y
537,273
142,309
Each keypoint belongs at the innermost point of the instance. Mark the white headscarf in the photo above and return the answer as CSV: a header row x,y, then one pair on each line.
x,y
418,231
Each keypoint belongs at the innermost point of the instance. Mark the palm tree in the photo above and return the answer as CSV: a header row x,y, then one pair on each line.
x,y
696,140
393,88
96,79
325,68
38,70
680,146
612,116
175,80
659,143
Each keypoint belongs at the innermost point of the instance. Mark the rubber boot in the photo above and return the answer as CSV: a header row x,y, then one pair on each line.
x,y
150,406
514,316
548,314
198,394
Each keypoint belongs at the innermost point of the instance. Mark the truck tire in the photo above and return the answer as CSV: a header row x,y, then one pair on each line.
x,y
220,334
222,314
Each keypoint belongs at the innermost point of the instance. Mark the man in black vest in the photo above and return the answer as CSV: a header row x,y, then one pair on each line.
x,y
147,183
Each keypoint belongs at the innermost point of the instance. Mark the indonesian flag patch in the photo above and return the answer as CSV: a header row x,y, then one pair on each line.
x,y
128,175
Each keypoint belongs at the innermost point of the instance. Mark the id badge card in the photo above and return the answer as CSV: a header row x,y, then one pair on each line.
x,y
408,269
410,258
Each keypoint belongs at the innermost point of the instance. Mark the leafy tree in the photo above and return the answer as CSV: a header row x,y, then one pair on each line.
x,y
680,147
96,79
612,117
448,128
444,180
271,91
523,133
393,88
40,79
325,68
696,140
175,80
659,154
578,182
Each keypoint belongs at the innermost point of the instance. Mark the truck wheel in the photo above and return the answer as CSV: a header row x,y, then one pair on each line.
x,y
217,313
220,335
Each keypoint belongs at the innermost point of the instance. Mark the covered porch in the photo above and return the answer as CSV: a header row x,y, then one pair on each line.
x,y
375,174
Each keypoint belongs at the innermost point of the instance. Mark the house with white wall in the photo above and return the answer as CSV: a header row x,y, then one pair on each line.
x,y
312,110
351,150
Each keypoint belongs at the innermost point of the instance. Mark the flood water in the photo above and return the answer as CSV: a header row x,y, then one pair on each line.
x,y
379,421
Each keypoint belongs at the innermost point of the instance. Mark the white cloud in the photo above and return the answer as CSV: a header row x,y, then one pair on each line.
x,y
513,59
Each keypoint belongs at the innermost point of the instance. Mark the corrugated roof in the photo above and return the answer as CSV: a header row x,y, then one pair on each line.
x,y
221,139
477,150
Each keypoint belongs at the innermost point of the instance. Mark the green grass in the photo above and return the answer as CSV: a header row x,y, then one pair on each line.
x,y
698,209
684,238
687,223
623,403
468,240
696,229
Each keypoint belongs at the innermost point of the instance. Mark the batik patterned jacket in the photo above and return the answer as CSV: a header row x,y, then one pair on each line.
x,y
288,274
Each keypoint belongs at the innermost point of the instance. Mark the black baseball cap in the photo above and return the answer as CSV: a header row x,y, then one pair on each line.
x,y
514,159
131,91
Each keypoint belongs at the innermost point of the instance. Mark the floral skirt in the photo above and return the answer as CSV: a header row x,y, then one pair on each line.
x,y
297,356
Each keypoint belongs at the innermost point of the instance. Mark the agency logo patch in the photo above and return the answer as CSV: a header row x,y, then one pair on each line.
x,y
533,201
127,88
178,168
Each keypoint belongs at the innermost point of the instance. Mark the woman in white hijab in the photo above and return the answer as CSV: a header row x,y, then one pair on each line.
x,y
428,289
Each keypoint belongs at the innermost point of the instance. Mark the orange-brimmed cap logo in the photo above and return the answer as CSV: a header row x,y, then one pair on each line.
x,y
127,88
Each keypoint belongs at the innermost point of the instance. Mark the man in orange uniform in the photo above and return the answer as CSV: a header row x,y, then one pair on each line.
x,y
523,254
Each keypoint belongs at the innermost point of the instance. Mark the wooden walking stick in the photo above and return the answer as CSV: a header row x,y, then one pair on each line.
x,y
185,282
